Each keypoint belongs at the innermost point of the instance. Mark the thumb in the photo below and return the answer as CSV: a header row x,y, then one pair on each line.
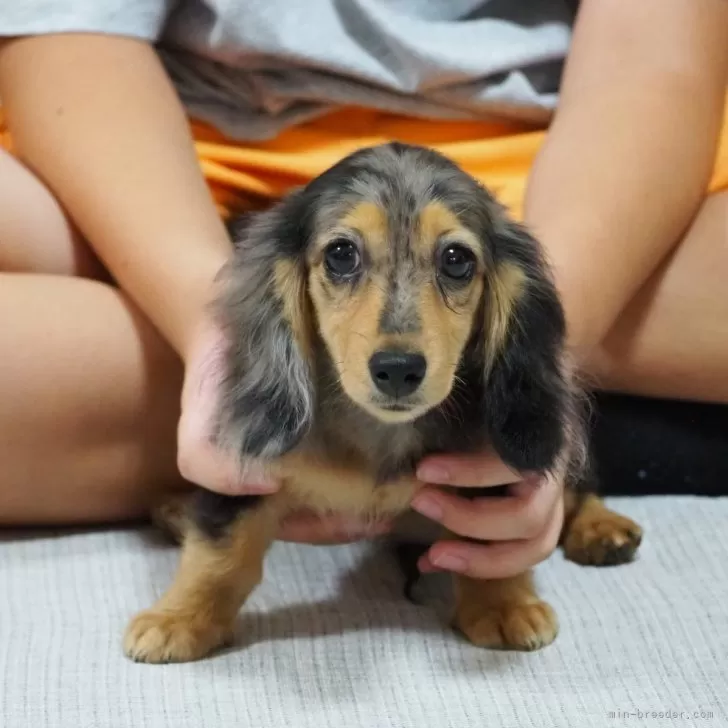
x,y
199,460
476,470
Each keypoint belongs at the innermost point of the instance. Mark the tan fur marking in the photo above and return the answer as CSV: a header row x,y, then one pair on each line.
x,y
444,337
326,486
506,286
370,221
503,613
197,613
349,326
290,285
435,220
170,516
597,536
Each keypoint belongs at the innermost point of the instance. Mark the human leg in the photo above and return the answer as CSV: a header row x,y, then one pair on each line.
x,y
671,341
89,392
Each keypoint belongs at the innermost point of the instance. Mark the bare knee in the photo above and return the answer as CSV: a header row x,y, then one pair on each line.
x,y
35,234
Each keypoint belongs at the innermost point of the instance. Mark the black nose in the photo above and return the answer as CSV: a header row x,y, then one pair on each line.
x,y
397,374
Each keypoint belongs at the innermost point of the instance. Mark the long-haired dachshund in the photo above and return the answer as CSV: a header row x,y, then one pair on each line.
x,y
388,310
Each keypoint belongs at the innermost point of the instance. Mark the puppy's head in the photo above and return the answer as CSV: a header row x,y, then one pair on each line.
x,y
414,281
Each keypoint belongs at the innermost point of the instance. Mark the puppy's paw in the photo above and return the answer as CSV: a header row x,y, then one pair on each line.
x,y
158,636
515,626
602,538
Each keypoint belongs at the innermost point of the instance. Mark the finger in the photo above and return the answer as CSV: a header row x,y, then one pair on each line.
x,y
498,560
520,516
425,565
305,527
483,469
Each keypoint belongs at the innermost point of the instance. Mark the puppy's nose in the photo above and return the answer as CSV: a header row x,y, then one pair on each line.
x,y
396,373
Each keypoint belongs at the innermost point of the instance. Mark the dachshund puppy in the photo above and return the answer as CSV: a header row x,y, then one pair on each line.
x,y
388,310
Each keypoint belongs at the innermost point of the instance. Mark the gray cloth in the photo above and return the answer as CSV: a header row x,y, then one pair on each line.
x,y
255,67
331,643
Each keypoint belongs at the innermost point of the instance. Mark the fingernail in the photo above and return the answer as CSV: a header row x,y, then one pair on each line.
x,y
427,506
433,474
425,565
260,488
450,562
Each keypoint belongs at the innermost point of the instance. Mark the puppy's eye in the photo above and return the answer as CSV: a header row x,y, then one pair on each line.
x,y
342,258
457,263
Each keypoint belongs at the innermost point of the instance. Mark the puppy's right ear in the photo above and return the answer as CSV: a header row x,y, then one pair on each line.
x,y
267,396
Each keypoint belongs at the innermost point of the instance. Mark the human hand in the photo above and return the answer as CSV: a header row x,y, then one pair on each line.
x,y
198,458
521,529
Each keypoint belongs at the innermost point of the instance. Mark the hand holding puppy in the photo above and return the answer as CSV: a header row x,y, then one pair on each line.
x,y
521,529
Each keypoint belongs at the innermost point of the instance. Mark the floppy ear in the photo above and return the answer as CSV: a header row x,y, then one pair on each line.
x,y
528,394
267,394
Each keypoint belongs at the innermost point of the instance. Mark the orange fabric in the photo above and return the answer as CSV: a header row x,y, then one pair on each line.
x,y
242,176
499,155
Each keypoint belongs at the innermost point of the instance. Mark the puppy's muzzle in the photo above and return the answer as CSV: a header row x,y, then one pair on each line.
x,y
397,374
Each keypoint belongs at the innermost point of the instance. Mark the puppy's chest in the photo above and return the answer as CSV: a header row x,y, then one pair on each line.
x,y
360,467
370,477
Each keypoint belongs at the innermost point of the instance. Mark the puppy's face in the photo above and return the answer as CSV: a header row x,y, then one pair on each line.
x,y
397,269
414,279
396,283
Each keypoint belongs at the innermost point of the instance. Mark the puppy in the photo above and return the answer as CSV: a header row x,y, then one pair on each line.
x,y
388,310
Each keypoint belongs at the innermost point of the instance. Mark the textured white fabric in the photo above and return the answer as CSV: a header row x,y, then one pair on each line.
x,y
332,644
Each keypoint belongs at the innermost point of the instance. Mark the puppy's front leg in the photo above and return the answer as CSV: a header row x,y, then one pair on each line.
x,y
221,563
504,614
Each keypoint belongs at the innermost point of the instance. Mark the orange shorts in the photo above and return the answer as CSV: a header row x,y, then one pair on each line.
x,y
500,155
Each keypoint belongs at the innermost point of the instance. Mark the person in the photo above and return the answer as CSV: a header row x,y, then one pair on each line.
x,y
129,126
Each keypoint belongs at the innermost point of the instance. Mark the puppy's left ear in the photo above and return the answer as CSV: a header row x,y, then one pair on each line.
x,y
527,389
267,393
